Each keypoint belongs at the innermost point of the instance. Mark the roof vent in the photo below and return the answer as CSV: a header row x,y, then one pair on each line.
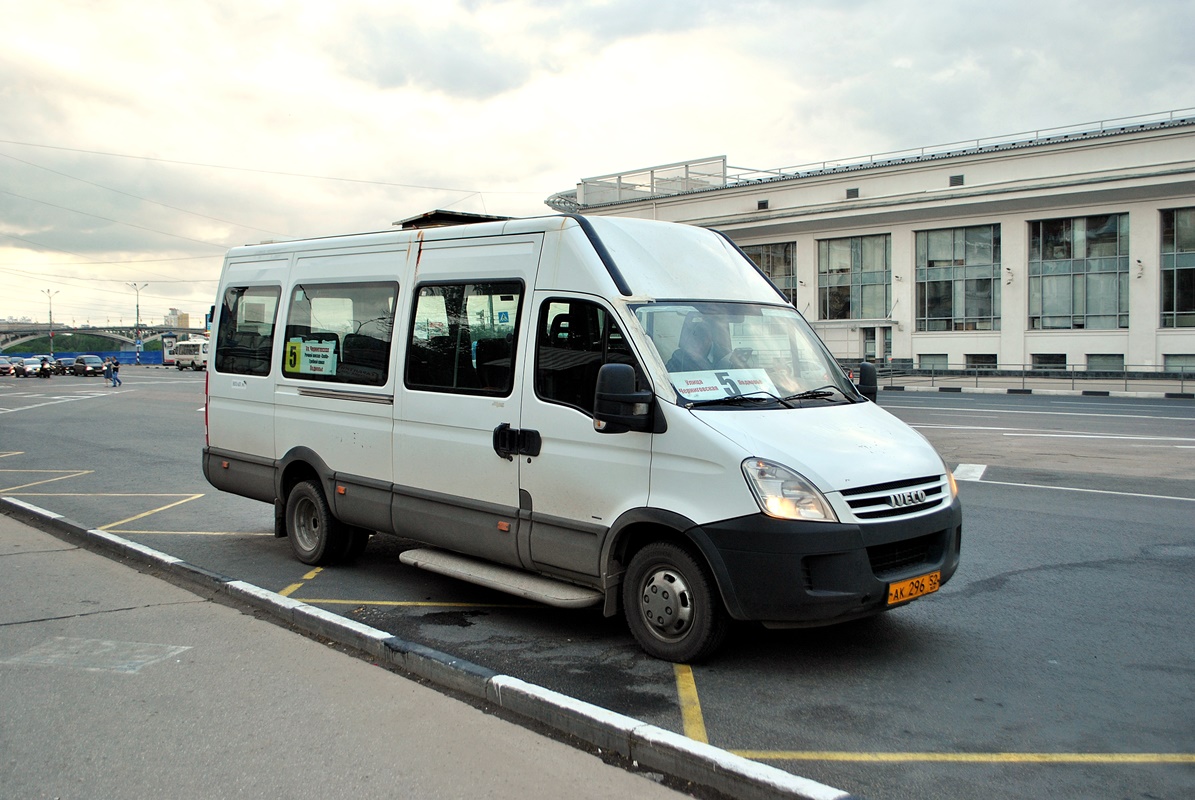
x,y
956,180
851,194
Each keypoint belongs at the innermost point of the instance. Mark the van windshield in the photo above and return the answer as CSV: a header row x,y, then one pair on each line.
x,y
743,355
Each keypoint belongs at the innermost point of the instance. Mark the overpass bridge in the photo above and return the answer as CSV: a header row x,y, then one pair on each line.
x,y
14,334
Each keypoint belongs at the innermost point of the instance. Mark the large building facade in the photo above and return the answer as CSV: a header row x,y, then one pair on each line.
x,y
1072,248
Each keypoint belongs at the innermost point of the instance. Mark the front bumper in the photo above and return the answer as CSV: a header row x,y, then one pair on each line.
x,y
803,574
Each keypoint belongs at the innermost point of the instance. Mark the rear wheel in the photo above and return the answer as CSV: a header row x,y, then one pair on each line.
x,y
316,537
672,605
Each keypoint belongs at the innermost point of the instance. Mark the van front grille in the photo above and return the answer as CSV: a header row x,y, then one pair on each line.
x,y
897,557
898,499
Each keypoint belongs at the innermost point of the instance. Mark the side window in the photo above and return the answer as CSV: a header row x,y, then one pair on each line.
x,y
573,339
245,336
463,337
340,332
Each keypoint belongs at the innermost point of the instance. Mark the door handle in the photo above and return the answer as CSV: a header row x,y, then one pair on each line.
x,y
510,441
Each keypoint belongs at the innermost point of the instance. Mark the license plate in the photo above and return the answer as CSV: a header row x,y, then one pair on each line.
x,y
903,591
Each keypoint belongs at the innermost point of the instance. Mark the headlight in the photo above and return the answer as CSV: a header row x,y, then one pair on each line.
x,y
953,483
784,494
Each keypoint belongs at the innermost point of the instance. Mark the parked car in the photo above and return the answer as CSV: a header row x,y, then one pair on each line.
x,y
88,366
18,367
5,365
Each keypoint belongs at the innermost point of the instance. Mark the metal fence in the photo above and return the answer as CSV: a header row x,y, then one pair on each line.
x,y
1027,377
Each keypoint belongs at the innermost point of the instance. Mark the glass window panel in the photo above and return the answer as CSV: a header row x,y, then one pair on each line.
x,y
1035,297
979,298
874,253
1102,322
941,247
340,332
1184,290
875,301
979,245
838,255
1102,290
1079,296
835,302
922,248
1056,295
246,330
1123,304
1102,236
1079,237
1184,229
1168,231
1056,239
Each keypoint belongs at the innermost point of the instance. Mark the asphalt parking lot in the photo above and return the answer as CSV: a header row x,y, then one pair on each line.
x,y
1057,662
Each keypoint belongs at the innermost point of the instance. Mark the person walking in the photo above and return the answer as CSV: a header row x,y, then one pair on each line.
x,y
107,372
116,381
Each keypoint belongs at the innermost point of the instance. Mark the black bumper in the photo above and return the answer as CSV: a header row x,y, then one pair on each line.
x,y
808,573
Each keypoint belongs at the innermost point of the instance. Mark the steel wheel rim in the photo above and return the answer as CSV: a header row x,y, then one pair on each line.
x,y
666,603
306,524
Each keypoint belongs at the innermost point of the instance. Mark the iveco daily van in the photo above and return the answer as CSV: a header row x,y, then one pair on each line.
x,y
574,410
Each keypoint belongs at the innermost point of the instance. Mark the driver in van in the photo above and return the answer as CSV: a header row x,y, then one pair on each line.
x,y
693,355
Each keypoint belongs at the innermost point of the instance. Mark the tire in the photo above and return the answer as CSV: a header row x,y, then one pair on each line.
x,y
672,605
315,536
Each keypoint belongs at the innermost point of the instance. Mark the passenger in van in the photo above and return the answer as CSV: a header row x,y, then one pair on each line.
x,y
696,342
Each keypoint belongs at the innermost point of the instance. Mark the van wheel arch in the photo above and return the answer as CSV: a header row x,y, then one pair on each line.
x,y
640,527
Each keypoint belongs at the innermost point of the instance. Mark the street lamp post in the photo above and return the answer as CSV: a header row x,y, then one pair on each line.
x,y
137,329
50,298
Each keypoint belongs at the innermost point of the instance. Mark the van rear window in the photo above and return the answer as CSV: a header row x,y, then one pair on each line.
x,y
340,332
245,335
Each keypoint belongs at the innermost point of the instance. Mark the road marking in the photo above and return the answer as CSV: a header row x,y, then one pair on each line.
x,y
690,705
969,472
1088,491
973,758
152,511
63,474
969,411
289,590
1104,436
12,453
193,533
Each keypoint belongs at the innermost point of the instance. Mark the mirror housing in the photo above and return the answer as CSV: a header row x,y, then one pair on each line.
x,y
617,406
868,386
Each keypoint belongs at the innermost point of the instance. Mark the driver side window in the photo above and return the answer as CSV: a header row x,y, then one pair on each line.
x,y
574,338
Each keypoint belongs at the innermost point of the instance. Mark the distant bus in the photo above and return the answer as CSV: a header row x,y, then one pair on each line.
x,y
191,353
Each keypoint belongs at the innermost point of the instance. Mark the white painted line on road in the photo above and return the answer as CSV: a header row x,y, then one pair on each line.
x,y
1104,436
969,472
969,411
1088,491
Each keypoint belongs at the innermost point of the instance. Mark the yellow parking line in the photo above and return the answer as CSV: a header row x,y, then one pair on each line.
x,y
151,511
290,589
68,474
690,705
972,758
193,533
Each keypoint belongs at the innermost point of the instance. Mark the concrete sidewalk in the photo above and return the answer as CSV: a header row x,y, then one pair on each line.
x,y
115,683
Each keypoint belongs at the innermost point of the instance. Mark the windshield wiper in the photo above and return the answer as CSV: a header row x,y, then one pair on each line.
x,y
751,398
820,393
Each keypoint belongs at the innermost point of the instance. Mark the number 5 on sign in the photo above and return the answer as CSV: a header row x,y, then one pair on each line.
x,y
292,356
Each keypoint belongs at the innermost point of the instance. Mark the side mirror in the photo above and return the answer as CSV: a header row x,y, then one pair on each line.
x,y
868,385
617,406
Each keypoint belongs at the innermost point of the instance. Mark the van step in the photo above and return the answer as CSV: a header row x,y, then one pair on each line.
x,y
504,579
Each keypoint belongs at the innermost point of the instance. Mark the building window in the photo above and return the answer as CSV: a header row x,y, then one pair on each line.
x,y
1105,362
854,277
981,360
933,361
1049,360
778,262
1179,362
1079,273
958,279
1178,268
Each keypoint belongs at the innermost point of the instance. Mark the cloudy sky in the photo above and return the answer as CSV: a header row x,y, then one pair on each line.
x,y
140,140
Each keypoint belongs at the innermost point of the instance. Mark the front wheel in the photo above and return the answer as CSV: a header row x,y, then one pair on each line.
x,y
316,537
672,605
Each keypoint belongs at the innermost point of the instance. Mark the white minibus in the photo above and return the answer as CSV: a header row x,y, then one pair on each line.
x,y
580,411
191,354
